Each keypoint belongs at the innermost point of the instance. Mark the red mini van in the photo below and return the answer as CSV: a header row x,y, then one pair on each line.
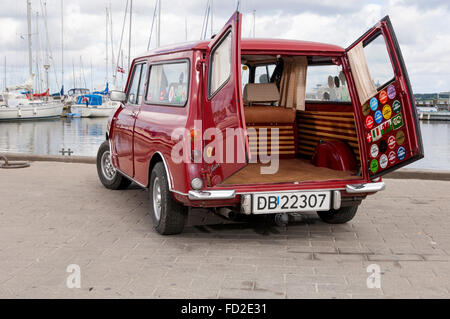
x,y
262,126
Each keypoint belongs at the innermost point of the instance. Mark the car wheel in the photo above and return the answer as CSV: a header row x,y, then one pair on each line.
x,y
169,217
339,216
108,175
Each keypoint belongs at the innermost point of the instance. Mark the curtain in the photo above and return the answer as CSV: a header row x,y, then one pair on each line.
x,y
361,74
293,83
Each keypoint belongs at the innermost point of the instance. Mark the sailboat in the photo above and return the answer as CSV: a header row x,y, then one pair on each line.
x,y
19,106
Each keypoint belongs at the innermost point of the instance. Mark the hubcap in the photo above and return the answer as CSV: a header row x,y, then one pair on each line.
x,y
109,172
157,198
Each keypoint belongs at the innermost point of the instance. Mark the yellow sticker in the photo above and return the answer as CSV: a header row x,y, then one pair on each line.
x,y
244,67
387,112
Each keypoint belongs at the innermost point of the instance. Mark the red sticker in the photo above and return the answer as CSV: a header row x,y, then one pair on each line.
x,y
369,122
369,137
391,142
392,157
383,97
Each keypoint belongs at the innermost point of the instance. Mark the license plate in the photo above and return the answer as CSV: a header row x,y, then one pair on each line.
x,y
291,202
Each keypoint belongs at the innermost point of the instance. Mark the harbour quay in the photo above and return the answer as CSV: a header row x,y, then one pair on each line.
x,y
58,220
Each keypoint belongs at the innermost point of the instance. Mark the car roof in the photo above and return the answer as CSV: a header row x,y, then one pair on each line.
x,y
253,45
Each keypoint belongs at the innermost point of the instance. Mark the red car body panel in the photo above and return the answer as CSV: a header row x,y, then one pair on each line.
x,y
141,134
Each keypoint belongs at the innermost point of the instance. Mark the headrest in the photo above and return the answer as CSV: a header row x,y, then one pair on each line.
x,y
261,92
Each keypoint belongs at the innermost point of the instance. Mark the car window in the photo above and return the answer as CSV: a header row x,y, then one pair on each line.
x,y
141,89
326,83
168,83
379,62
263,73
220,64
133,90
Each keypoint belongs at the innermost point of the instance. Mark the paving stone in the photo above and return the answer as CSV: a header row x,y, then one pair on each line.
x,y
109,235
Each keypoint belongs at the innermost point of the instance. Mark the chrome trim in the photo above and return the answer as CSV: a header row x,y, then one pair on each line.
x,y
292,191
169,176
211,194
336,200
365,188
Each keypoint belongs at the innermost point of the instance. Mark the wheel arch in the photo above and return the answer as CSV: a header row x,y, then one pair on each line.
x,y
156,158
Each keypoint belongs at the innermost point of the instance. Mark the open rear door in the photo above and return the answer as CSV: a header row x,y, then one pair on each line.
x,y
226,148
386,111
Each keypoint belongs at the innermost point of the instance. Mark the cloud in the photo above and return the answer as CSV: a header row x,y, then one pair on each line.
x,y
422,29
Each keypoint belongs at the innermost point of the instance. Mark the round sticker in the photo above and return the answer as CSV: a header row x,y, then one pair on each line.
x,y
383,97
392,157
369,138
400,137
391,142
374,166
374,150
396,106
383,161
378,117
383,146
401,153
373,103
387,112
366,109
391,91
369,122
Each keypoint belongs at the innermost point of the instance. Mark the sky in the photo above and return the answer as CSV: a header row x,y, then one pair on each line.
x,y
421,27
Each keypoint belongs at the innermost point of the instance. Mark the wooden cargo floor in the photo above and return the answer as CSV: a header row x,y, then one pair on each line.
x,y
290,170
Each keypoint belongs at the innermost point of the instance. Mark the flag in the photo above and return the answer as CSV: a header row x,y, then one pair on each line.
x,y
120,70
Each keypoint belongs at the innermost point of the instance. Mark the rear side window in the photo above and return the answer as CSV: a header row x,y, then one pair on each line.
x,y
220,65
136,90
378,61
326,83
263,73
168,83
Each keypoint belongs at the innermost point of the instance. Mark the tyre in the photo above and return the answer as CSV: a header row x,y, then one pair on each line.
x,y
108,175
340,216
169,217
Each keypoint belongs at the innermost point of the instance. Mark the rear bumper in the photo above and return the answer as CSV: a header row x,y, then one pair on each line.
x,y
211,194
365,188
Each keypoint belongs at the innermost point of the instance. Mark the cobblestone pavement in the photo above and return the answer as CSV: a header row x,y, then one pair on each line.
x,y
56,214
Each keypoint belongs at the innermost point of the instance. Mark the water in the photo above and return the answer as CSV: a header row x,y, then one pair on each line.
x,y
48,137
84,136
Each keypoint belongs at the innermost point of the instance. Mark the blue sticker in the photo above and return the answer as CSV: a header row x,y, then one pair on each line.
x,y
373,103
401,153
378,116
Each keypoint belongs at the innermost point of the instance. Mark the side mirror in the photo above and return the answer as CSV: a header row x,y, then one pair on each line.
x,y
118,96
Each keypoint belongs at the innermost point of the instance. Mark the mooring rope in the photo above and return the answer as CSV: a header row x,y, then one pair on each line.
x,y
7,164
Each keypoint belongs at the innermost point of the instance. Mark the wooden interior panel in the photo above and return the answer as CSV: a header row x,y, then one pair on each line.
x,y
260,140
314,125
289,171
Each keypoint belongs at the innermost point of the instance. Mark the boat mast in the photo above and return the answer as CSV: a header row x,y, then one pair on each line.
x,y
30,57
129,36
62,43
5,73
212,15
111,36
120,45
36,52
158,44
106,46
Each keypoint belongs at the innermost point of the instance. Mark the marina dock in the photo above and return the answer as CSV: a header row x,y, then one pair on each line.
x,y
70,219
